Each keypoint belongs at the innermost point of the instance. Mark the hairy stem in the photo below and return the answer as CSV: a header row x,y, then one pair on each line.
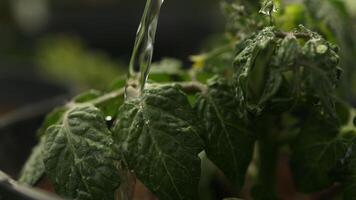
x,y
189,87
193,87
109,96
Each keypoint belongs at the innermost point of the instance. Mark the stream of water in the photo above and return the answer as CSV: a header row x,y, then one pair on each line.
x,y
141,58
139,68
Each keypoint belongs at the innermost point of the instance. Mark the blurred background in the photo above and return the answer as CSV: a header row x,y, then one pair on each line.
x,y
53,49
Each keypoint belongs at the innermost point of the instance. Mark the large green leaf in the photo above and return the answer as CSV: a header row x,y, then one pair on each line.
x,y
316,153
229,144
349,179
159,137
79,159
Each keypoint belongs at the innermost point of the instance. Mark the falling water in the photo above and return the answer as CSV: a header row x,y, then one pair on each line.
x,y
141,58
139,67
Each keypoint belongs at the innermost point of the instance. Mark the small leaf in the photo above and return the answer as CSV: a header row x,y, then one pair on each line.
x,y
229,144
288,52
252,62
159,137
79,160
268,7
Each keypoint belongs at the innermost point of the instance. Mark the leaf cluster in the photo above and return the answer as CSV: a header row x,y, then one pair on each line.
x,y
271,91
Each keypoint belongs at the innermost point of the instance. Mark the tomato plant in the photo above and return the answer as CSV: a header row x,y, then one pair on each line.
x,y
268,86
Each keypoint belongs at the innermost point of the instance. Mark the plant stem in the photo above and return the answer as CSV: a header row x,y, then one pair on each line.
x,y
267,162
193,87
10,189
188,87
268,155
109,96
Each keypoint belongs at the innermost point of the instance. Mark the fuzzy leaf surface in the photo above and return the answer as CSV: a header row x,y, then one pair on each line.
x,y
159,137
79,160
226,136
317,151
34,168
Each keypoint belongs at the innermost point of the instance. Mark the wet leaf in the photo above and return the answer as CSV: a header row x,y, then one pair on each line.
x,y
159,137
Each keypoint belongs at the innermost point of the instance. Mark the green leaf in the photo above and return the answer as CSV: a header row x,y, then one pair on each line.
x,y
252,62
321,73
349,178
316,152
333,20
268,7
229,144
273,68
159,137
34,168
52,118
79,159
288,52
109,106
345,170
